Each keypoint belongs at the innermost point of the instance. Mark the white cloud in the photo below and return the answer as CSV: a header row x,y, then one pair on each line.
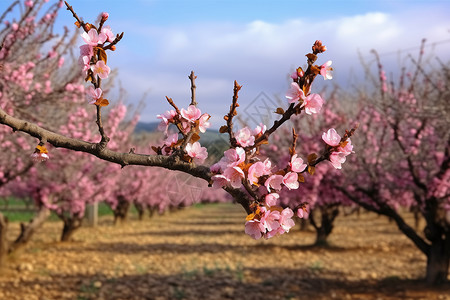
x,y
259,54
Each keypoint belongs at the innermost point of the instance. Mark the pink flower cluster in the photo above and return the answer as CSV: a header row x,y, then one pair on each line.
x,y
187,119
311,103
271,220
94,39
245,137
337,157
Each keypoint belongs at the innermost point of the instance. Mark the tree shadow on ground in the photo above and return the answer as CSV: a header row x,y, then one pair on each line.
x,y
220,283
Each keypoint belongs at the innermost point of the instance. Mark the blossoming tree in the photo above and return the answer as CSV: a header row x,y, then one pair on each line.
x,y
406,158
318,196
252,183
32,63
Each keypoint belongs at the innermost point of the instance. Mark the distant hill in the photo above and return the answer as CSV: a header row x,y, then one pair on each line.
x,y
144,126
211,139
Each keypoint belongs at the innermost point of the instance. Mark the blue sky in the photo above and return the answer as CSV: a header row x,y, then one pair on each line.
x,y
256,43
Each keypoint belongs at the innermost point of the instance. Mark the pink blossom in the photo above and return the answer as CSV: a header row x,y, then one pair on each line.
x,y
325,70
60,62
39,157
85,63
260,129
234,175
232,157
15,26
219,181
270,219
166,117
197,152
52,54
101,69
286,221
191,114
203,123
297,164
274,182
93,38
29,3
171,140
106,30
271,199
313,103
303,213
337,159
48,87
348,148
295,93
331,137
297,73
290,180
254,228
255,171
244,137
86,50
95,94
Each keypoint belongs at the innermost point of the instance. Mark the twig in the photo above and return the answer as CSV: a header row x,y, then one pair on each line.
x,y
173,105
82,24
232,113
192,77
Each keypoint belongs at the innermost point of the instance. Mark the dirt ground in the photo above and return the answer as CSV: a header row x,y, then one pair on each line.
x,y
203,253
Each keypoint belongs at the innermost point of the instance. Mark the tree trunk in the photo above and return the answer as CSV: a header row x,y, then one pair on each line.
x,y
328,215
27,230
121,211
140,209
438,261
71,224
3,239
303,224
151,211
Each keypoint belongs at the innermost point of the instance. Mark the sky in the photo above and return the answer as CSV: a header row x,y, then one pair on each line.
x,y
256,43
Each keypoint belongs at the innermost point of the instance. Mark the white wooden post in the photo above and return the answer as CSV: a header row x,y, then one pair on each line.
x,y
92,214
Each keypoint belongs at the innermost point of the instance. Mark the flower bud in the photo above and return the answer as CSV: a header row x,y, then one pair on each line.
x,y
105,16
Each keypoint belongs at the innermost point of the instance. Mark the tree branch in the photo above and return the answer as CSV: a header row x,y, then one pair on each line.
x,y
123,159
